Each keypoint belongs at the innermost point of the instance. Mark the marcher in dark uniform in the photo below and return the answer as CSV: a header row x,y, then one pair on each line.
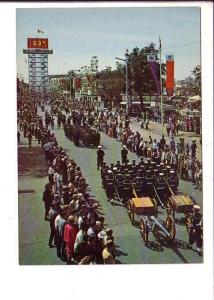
x,y
162,142
195,231
193,148
29,139
124,154
18,136
100,156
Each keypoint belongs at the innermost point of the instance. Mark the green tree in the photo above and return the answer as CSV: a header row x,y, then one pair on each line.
x,y
196,72
140,76
110,83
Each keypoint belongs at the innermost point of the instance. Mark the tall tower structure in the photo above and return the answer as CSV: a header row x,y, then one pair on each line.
x,y
37,51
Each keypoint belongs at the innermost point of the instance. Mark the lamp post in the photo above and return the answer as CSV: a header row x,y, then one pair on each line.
x,y
127,88
70,83
161,94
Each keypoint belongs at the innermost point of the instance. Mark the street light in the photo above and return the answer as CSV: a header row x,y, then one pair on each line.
x,y
127,89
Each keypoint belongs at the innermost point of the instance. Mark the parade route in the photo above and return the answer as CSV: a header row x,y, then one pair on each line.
x,y
34,231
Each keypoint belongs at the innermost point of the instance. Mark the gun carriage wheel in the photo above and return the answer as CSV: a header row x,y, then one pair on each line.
x,y
130,211
170,226
144,230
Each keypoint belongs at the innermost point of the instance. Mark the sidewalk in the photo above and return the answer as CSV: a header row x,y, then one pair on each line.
x,y
33,230
156,133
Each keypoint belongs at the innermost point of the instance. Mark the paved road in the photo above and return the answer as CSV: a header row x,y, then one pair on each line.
x,y
34,231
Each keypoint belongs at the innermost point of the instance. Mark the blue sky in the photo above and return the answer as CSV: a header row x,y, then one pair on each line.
x,y
77,34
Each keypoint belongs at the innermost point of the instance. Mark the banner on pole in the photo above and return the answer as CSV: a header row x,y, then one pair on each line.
x,y
170,75
151,59
76,83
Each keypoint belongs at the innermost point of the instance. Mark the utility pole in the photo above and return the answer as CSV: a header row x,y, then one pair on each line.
x,y
127,84
70,83
127,81
161,94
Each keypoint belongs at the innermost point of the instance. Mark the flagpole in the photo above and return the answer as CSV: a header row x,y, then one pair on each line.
x,y
161,94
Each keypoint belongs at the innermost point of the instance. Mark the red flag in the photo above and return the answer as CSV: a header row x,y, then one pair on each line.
x,y
170,75
78,83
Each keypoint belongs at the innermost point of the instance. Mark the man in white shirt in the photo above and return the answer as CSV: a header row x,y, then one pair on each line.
x,y
51,172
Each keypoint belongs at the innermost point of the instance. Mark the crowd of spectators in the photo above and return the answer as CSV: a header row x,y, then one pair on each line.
x,y
77,231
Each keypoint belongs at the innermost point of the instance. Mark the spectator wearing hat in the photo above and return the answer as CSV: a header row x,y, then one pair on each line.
x,y
100,156
70,234
46,148
98,227
74,204
101,241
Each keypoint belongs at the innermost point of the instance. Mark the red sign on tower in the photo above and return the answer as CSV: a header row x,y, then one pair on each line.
x,y
37,43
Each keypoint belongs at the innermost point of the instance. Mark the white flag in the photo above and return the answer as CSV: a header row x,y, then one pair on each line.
x,y
151,58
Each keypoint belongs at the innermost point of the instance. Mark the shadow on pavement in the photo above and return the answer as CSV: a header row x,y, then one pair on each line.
x,y
26,191
176,251
154,246
120,253
181,244
175,248
31,162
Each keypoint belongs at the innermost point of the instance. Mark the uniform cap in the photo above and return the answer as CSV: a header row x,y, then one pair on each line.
x,y
196,207
99,147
